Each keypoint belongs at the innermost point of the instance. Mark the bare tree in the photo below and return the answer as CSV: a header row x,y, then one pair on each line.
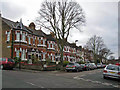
x,y
111,57
104,53
98,47
59,17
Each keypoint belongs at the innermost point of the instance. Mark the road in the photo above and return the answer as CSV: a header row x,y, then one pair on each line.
x,y
56,79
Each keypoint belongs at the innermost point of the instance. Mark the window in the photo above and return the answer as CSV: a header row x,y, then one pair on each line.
x,y
23,37
18,36
10,60
8,36
43,42
17,53
29,40
43,55
40,41
49,45
2,59
53,58
52,45
112,67
23,55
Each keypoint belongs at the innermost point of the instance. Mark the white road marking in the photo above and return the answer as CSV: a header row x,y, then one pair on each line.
x,y
108,84
97,82
116,86
34,85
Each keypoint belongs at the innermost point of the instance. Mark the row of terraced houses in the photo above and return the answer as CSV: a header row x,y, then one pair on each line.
x,y
28,42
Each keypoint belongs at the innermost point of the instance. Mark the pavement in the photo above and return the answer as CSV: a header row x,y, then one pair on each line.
x,y
56,79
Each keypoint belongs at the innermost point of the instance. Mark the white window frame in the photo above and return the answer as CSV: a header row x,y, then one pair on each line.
x,y
17,53
39,41
18,36
23,57
29,40
8,36
23,37
43,42
33,40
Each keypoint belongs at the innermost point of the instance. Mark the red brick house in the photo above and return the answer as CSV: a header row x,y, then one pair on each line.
x,y
28,42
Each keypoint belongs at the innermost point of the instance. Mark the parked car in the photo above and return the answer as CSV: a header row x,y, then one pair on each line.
x,y
99,65
111,71
7,63
91,66
103,65
73,67
94,65
85,67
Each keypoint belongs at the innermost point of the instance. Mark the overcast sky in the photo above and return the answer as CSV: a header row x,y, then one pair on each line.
x,y
102,19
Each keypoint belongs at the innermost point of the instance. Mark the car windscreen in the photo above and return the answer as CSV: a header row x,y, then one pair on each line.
x,y
71,64
2,59
82,64
119,68
113,67
10,60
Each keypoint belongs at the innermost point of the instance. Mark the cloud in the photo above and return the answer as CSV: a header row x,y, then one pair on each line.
x,y
102,20
11,10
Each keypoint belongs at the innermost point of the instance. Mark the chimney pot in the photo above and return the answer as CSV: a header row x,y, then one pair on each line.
x,y
32,26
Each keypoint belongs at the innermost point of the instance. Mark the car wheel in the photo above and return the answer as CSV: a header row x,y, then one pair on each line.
x,y
11,68
67,70
104,77
77,70
1,67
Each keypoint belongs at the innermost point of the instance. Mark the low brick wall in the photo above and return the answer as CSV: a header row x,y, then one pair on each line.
x,y
38,67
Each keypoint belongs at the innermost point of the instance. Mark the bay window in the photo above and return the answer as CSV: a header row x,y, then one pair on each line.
x,y
23,37
33,40
29,40
49,45
18,36
17,53
23,54
40,41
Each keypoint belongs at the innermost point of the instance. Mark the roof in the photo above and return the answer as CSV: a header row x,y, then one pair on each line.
x,y
39,33
49,37
15,25
20,26
73,45
9,22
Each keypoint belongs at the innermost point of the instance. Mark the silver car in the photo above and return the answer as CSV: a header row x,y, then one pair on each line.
x,y
111,71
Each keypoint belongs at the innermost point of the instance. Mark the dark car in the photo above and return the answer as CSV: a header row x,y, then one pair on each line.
x,y
103,65
7,63
99,65
94,66
85,67
73,67
91,66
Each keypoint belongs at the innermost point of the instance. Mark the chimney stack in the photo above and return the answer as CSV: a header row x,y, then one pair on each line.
x,y
32,26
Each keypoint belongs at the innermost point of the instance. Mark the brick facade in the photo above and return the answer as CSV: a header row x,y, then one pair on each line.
x,y
28,42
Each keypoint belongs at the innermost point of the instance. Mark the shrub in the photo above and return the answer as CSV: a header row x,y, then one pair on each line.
x,y
81,62
48,61
65,63
17,60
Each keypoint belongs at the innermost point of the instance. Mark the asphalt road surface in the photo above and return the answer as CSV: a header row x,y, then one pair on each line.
x,y
56,79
